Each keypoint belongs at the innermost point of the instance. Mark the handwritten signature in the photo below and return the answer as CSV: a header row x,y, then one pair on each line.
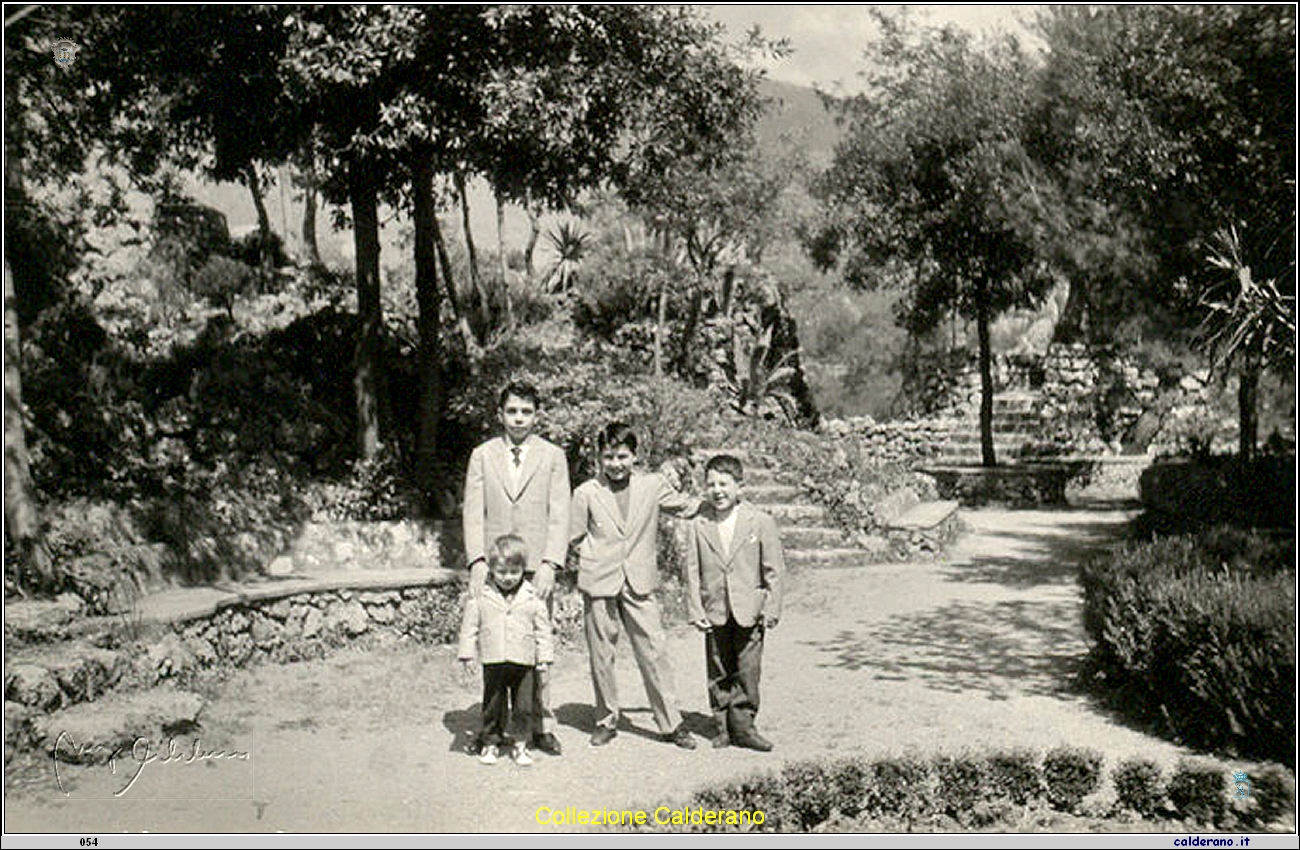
x,y
142,752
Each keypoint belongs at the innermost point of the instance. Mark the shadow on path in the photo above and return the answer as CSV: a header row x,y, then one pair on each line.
x,y
1027,557
996,649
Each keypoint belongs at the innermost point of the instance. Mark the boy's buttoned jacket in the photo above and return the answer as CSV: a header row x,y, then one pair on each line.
x,y
744,581
514,630
615,549
537,509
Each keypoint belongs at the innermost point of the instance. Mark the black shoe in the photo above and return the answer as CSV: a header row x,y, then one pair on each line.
x,y
603,735
720,741
681,736
753,741
547,743
474,747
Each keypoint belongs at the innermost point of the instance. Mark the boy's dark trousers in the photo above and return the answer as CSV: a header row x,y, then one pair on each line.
x,y
506,686
734,659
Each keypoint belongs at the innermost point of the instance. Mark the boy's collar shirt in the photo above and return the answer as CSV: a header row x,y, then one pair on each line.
x,y
516,457
727,529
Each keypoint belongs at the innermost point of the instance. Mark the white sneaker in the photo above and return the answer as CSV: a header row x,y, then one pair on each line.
x,y
489,755
521,755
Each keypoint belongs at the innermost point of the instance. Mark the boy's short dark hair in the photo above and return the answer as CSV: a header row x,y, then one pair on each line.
x,y
520,389
728,464
509,549
616,434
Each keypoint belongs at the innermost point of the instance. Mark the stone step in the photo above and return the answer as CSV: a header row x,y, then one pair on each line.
x,y
811,536
826,558
764,494
790,513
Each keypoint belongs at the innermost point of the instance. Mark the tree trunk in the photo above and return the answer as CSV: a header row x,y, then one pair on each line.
x,y
470,250
263,220
472,346
22,514
309,244
688,333
501,256
986,379
429,360
534,210
1247,396
661,326
368,381
501,234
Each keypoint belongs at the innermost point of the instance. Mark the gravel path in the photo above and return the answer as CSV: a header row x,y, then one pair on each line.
x,y
974,651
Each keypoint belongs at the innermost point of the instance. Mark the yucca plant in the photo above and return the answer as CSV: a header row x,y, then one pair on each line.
x,y
753,385
571,247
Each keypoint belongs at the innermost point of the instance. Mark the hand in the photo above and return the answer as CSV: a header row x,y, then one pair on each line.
x,y
478,572
702,624
544,579
467,671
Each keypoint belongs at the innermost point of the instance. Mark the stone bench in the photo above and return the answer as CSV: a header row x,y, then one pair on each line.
x,y
924,516
924,529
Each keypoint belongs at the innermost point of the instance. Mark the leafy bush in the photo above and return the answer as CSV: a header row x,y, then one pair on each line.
x,y
962,784
851,779
223,280
812,793
626,292
1137,786
1070,774
581,393
1198,631
1274,792
838,474
947,794
376,490
900,785
1189,495
767,793
1015,775
1199,791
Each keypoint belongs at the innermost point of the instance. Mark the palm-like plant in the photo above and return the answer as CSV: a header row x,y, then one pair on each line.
x,y
1245,316
571,246
755,386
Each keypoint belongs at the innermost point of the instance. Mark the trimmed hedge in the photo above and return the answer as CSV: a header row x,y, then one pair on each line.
x,y
1001,791
1200,791
1198,632
1137,786
1070,774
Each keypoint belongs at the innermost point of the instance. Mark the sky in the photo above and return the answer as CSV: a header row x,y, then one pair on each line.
x,y
828,40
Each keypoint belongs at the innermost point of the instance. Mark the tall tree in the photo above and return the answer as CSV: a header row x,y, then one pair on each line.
x,y
1188,116
933,178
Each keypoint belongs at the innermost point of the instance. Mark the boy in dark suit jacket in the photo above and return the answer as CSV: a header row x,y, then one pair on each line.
x,y
734,567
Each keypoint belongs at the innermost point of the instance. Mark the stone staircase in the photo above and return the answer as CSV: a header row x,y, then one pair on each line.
x,y
1015,422
809,537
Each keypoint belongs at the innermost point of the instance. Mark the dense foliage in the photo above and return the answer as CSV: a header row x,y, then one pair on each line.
x,y
1197,633
946,793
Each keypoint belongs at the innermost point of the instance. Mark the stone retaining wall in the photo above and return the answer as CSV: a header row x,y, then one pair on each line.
x,y
121,653
896,442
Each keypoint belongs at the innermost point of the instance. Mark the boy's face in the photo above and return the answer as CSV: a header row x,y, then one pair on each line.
x,y
722,489
506,575
518,416
616,462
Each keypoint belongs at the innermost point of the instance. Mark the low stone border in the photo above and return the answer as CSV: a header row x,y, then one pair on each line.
x,y
177,634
